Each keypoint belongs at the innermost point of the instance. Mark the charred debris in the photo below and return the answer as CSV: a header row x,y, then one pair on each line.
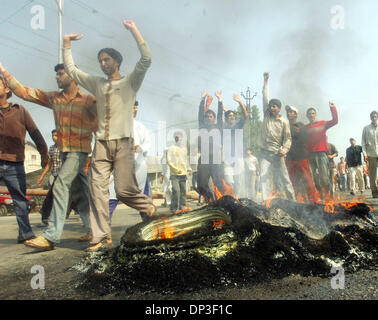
x,y
233,243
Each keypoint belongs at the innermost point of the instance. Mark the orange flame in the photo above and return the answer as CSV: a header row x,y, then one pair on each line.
x,y
267,202
166,232
218,224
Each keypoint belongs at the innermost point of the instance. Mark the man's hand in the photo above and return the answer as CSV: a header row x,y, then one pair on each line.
x,y
203,94
218,94
331,104
137,148
39,181
266,76
71,37
281,153
237,98
44,162
225,109
1,67
129,24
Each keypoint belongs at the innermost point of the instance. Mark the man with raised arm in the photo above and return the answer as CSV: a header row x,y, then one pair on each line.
x,y
75,117
114,147
210,147
275,142
317,148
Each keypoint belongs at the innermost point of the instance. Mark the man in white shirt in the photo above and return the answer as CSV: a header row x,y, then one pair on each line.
x,y
177,159
370,150
252,169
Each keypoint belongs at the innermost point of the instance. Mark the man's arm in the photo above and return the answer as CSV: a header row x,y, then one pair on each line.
x,y
286,144
335,118
80,77
218,94
201,113
28,94
137,76
44,172
364,144
240,101
265,93
37,138
172,167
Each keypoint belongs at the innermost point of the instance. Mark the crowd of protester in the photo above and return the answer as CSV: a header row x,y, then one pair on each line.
x,y
292,159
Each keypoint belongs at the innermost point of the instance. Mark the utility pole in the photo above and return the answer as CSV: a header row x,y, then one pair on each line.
x,y
60,14
247,97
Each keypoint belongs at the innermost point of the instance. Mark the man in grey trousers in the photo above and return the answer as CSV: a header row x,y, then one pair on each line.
x,y
114,148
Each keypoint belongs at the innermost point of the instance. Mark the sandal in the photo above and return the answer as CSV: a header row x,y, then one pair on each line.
x,y
103,244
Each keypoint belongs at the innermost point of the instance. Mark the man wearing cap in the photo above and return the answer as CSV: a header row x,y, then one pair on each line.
x,y
369,146
114,147
296,159
275,143
317,149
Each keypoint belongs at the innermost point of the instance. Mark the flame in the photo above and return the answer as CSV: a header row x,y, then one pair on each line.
x,y
228,191
267,202
166,232
218,224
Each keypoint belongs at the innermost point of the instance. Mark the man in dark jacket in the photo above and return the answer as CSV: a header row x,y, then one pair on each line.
x,y
210,146
354,163
15,120
296,159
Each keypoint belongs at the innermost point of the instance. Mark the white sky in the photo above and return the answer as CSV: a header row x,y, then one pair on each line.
x,y
214,45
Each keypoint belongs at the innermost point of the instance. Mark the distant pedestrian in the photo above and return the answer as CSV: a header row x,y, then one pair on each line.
x,y
341,171
354,161
252,172
177,159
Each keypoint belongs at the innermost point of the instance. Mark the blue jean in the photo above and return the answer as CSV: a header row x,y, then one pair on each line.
x,y
13,174
71,178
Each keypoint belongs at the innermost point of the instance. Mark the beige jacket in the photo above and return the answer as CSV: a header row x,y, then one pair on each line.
x,y
115,98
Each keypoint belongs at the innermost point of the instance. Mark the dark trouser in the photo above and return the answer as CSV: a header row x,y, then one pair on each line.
x,y
178,200
319,165
13,174
205,171
195,185
47,204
